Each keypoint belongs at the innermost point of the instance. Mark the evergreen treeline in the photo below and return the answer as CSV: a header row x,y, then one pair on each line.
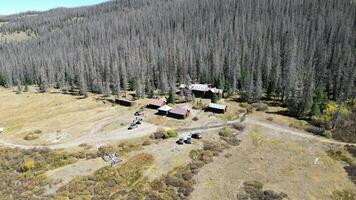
x,y
292,50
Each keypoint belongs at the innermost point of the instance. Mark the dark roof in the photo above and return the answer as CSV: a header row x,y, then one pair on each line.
x,y
179,111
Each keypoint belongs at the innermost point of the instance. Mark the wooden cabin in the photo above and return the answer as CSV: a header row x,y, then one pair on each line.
x,y
217,108
164,110
125,102
156,103
179,113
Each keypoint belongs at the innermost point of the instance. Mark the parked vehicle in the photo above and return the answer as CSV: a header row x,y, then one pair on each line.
x,y
188,140
180,141
138,113
196,136
133,126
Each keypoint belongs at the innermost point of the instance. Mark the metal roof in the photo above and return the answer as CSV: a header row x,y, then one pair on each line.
x,y
157,102
199,87
179,111
217,106
165,108
216,90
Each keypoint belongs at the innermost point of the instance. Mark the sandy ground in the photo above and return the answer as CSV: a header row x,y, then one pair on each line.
x,y
62,176
15,36
282,163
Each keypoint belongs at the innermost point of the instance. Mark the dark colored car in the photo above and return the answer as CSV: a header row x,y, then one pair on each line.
x,y
180,141
138,113
196,136
188,140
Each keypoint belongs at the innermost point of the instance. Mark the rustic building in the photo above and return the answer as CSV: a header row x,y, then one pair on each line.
x,y
217,108
164,110
125,102
179,113
156,103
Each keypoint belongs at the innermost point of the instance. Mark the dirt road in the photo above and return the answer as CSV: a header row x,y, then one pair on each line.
x,y
95,137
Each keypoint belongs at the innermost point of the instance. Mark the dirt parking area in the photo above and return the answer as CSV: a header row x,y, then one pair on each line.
x,y
293,165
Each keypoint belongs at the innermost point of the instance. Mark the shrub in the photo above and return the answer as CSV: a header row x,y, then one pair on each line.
x,y
228,155
29,164
269,118
31,136
187,176
225,132
254,189
244,104
344,195
159,134
196,165
272,195
315,130
172,133
260,106
328,134
162,134
212,146
238,126
194,154
146,142
195,119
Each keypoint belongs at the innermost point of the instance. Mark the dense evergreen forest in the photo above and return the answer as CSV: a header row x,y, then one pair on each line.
x,y
291,50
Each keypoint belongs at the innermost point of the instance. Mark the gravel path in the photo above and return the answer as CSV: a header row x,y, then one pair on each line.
x,y
95,137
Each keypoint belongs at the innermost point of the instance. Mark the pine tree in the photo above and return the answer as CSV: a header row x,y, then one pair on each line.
x,y
171,97
214,98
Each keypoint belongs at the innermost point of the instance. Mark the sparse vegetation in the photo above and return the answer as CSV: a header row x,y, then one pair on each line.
x,y
343,195
22,171
229,136
33,135
342,154
239,126
165,134
260,106
253,190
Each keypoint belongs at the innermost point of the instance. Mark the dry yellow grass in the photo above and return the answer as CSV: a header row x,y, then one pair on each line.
x,y
15,36
300,168
51,113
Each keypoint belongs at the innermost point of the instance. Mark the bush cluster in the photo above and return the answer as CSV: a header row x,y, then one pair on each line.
x,y
260,106
229,136
254,190
163,134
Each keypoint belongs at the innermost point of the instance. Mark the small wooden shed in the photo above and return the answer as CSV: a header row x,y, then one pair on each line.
x,y
125,102
217,108
156,103
179,113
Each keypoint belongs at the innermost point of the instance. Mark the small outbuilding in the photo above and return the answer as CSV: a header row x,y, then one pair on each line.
x,y
156,103
164,110
217,108
125,102
199,90
179,113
